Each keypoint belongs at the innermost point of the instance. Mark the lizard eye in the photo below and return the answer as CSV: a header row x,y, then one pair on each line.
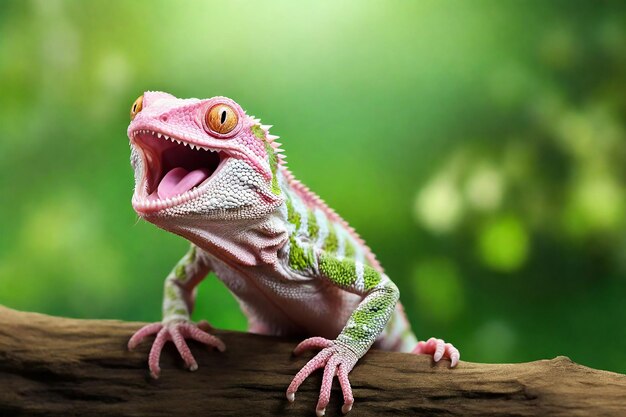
x,y
221,119
136,107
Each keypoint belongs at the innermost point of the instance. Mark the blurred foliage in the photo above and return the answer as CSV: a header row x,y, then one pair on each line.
x,y
478,147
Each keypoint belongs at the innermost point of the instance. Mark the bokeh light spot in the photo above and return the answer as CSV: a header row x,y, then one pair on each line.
x,y
439,206
503,244
438,290
484,188
493,342
596,203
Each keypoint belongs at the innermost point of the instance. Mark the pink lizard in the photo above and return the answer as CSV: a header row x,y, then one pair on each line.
x,y
208,172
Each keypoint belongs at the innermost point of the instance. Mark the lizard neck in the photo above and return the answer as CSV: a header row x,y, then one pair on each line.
x,y
310,220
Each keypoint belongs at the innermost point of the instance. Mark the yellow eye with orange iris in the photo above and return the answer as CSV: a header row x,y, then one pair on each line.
x,y
136,107
221,119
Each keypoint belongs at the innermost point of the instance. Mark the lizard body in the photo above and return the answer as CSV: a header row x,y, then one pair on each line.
x,y
212,174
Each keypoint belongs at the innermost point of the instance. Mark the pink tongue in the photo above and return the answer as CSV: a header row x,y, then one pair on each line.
x,y
179,180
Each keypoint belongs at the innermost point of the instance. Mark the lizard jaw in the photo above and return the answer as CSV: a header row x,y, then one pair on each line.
x,y
174,170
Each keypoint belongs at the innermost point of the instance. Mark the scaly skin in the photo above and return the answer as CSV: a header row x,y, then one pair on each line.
x,y
212,174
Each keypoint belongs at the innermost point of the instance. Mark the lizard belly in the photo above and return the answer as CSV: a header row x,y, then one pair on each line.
x,y
278,303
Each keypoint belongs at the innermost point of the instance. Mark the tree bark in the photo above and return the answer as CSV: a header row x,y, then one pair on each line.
x,y
53,366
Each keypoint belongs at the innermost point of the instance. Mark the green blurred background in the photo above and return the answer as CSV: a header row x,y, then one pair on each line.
x,y
478,147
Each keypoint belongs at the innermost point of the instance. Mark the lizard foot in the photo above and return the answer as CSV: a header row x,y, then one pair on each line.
x,y
336,359
438,349
177,332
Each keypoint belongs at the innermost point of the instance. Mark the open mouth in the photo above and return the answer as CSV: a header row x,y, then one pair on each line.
x,y
174,170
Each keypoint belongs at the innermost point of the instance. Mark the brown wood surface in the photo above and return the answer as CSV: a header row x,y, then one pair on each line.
x,y
53,366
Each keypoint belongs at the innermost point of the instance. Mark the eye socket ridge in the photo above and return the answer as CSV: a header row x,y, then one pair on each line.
x,y
221,119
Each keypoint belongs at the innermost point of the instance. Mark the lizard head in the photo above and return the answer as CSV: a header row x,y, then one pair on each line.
x,y
204,158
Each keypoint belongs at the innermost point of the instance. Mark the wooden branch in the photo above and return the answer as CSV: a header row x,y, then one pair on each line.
x,y
66,367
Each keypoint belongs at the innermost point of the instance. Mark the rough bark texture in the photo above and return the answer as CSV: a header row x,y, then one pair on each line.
x,y
67,367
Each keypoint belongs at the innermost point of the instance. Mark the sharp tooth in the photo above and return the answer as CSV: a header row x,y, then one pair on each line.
x,y
166,137
266,127
192,146
159,135
205,148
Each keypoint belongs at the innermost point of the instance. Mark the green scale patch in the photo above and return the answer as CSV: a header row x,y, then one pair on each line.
x,y
293,216
178,311
331,243
271,155
313,227
371,277
349,249
273,160
170,293
341,272
180,272
258,132
299,258
369,318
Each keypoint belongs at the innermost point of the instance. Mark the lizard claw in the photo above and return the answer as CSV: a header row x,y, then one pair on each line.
x,y
438,349
336,359
177,332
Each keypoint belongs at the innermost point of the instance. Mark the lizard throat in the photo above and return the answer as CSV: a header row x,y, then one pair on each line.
x,y
174,170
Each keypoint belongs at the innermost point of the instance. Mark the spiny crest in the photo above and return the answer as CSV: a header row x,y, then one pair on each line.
x,y
313,200
271,139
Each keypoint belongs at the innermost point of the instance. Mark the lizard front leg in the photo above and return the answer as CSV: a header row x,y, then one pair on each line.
x,y
178,302
365,324
339,356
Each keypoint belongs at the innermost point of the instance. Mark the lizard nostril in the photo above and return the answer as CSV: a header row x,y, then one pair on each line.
x,y
164,118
